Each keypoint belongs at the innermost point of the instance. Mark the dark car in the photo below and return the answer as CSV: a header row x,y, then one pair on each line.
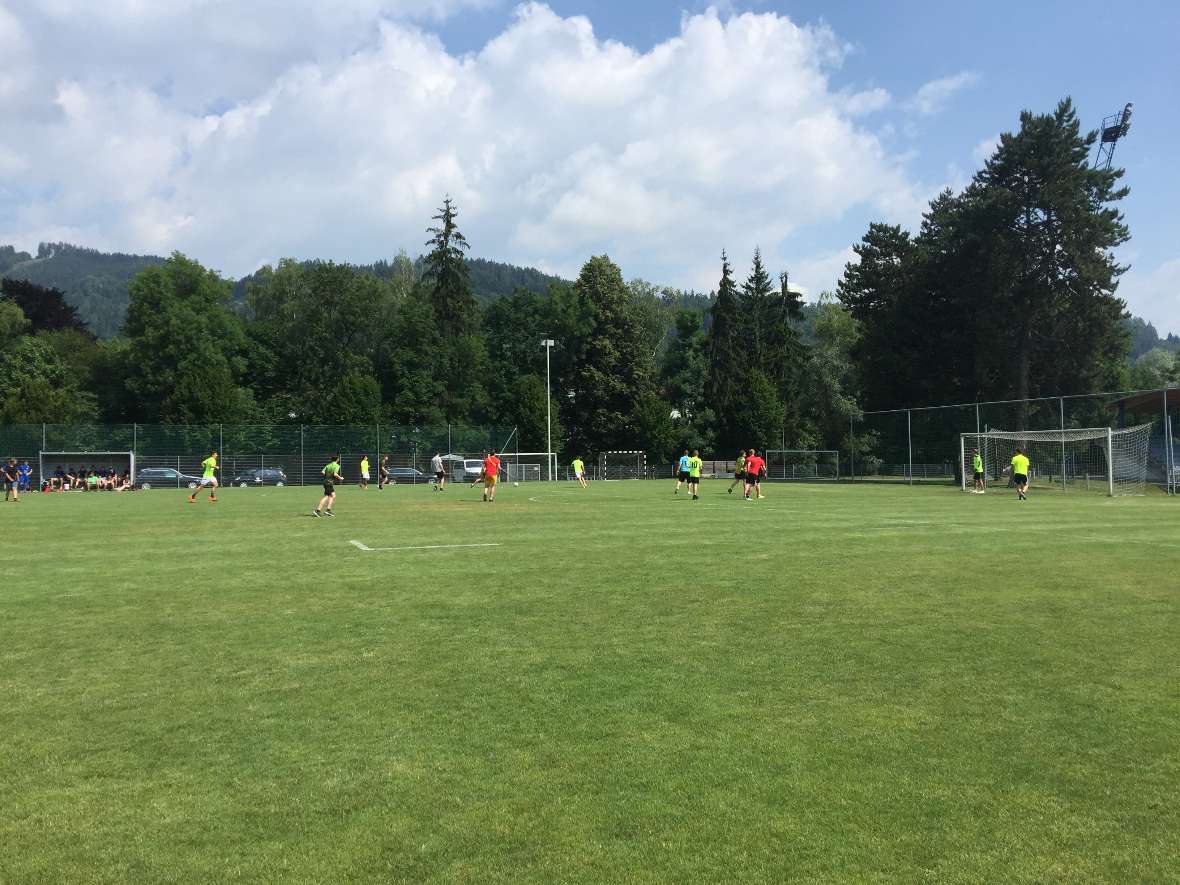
x,y
259,476
406,475
165,478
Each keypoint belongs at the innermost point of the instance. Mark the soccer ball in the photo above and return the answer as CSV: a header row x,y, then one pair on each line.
x,y
516,483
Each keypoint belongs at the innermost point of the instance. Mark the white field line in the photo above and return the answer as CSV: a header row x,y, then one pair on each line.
x,y
359,546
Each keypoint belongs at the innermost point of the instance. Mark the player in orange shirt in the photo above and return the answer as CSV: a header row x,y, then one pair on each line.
x,y
491,473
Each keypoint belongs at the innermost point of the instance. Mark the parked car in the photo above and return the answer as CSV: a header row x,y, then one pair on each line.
x,y
259,476
165,478
406,475
465,469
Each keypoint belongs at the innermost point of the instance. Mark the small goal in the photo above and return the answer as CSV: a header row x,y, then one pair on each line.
x,y
622,465
72,462
785,464
1089,459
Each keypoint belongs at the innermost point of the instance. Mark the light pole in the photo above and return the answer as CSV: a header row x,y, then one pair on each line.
x,y
548,343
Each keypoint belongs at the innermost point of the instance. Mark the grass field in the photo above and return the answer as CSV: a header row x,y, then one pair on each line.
x,y
838,683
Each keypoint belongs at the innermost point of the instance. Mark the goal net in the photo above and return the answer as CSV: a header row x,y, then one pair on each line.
x,y
524,472
1094,459
622,465
802,464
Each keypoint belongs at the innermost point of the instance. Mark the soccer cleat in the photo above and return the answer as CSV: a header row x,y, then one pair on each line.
x,y
316,514
192,499
730,490
328,513
212,500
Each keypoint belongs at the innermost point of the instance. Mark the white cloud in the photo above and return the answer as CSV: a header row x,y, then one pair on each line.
x,y
555,144
1154,295
932,97
984,150
818,273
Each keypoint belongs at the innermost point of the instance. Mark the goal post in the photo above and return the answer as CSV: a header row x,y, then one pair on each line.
x,y
786,464
622,465
1094,459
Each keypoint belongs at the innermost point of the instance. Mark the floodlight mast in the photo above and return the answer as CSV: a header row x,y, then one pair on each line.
x,y
548,343
1114,127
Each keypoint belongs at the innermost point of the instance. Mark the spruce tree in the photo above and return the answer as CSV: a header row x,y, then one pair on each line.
x,y
728,353
455,308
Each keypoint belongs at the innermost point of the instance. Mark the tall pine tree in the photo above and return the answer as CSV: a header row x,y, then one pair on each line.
x,y
728,351
455,308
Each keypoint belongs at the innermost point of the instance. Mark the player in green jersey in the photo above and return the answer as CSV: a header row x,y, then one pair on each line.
x,y
739,470
208,479
580,471
977,469
1020,467
332,476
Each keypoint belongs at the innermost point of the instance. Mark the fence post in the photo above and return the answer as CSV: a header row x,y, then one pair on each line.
x,y
1061,399
851,451
221,440
134,437
909,435
44,447
301,454
1168,465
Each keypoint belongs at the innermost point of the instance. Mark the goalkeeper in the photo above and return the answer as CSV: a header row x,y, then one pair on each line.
x,y
977,467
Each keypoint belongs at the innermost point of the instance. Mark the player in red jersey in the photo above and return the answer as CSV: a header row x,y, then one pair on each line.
x,y
755,468
491,474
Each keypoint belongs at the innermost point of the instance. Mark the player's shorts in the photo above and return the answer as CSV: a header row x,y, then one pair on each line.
x,y
978,475
740,474
682,476
440,475
753,479
1019,478
579,475
490,481
329,488
208,480
365,477
10,486
694,480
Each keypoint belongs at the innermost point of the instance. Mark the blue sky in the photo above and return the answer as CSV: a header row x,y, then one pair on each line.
x,y
659,132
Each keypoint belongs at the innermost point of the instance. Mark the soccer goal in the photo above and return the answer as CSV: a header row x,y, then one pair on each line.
x,y
71,463
622,465
524,472
1093,459
528,466
802,464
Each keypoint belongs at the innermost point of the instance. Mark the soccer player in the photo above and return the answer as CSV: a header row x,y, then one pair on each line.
x,y
977,467
24,473
364,472
383,473
440,473
754,469
1020,474
491,473
9,475
694,474
681,472
580,472
739,470
332,476
208,478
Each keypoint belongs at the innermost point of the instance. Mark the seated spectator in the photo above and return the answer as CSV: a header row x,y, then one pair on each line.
x,y
58,480
124,482
91,481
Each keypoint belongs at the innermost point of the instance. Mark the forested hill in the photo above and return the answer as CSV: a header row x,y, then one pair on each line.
x,y
95,282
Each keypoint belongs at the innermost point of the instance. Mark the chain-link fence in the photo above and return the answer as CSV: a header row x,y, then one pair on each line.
x,y
252,454
922,444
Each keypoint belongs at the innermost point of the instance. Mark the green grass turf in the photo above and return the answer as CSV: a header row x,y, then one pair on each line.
x,y
840,683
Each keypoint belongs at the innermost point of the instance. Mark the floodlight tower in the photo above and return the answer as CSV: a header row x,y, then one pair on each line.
x,y
1114,127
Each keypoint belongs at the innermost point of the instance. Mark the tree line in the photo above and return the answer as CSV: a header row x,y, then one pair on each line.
x,y
1007,290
